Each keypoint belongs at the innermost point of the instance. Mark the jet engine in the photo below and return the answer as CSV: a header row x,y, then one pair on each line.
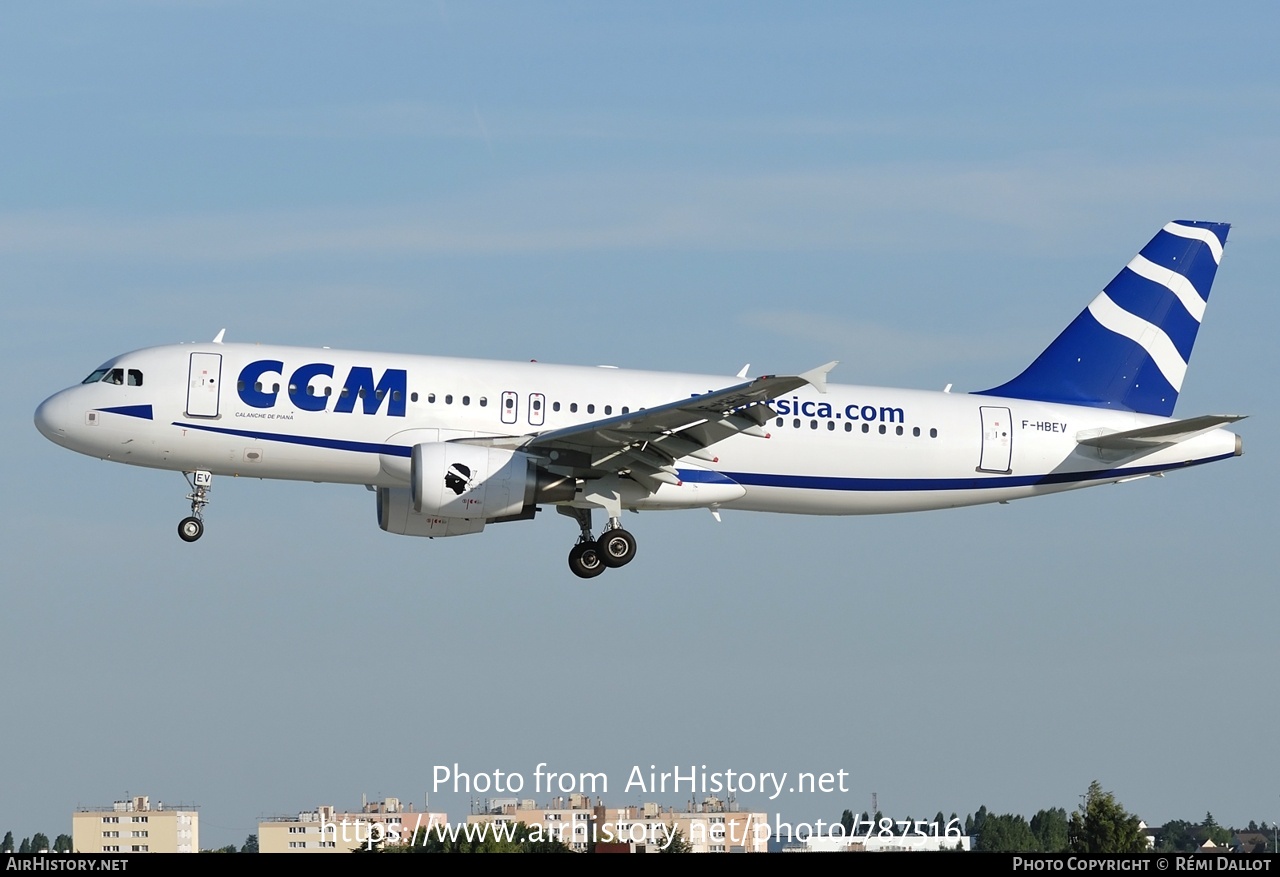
x,y
454,480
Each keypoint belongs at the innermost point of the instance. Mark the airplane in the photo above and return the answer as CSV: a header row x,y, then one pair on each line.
x,y
450,445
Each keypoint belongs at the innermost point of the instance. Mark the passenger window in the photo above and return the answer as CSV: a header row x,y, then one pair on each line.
x,y
780,421
796,423
848,427
933,433
899,430
866,427
483,401
555,406
626,410
591,408
883,429
413,397
608,409
448,399
573,407
431,398
915,431
466,400
831,425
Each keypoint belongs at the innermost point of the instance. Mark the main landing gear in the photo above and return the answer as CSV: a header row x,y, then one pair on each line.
x,y
590,557
201,483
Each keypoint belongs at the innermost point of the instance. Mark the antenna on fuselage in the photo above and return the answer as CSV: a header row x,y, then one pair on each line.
x,y
217,339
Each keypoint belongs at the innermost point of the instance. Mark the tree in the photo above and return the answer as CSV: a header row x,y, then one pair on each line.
x,y
1176,836
250,844
1101,825
678,842
62,844
1211,830
1007,833
39,842
1050,829
25,846
846,819
7,845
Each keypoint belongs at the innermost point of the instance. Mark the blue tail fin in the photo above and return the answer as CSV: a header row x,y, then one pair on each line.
x,y
1129,348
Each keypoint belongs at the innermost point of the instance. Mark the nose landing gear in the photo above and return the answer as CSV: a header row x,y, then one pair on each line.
x,y
201,482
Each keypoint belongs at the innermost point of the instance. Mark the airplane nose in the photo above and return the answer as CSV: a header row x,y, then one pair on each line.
x,y
51,417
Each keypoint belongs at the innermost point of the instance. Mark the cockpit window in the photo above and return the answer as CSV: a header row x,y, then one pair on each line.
x,y
115,376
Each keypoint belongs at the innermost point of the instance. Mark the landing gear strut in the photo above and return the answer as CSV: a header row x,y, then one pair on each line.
x,y
590,556
201,483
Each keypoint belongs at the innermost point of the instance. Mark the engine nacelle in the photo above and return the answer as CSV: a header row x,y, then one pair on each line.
x,y
455,480
396,515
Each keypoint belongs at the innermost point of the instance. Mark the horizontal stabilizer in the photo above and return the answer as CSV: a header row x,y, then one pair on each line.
x,y
1162,434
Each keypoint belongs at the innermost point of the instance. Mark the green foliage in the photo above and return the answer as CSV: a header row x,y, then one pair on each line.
x,y
1211,830
62,843
1007,833
1101,825
1176,836
678,842
1050,829
25,846
250,844
7,844
39,841
846,819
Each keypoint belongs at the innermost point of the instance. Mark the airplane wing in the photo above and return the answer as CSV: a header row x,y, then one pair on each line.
x,y
645,444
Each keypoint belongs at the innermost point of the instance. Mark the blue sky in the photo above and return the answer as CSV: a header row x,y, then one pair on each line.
x,y
927,193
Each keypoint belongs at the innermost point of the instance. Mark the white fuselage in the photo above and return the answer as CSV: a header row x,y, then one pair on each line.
x,y
315,414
